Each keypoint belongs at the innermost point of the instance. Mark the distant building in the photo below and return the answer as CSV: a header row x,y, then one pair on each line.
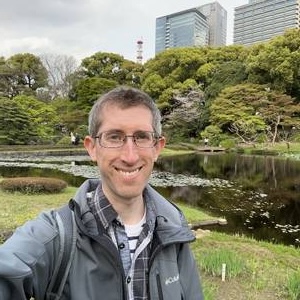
x,y
200,26
182,29
261,20
216,17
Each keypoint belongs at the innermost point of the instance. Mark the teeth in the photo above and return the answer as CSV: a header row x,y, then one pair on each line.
x,y
126,173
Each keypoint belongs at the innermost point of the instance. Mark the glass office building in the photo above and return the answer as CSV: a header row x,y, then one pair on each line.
x,y
261,20
182,29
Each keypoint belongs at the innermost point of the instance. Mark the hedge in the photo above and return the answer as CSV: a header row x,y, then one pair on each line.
x,y
33,185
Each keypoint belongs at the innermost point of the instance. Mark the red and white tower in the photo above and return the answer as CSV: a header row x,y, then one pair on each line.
x,y
139,51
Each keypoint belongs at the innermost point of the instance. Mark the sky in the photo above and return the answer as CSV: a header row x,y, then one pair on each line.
x,y
80,28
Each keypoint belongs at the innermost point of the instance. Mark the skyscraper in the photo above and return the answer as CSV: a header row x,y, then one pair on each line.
x,y
216,17
260,20
182,29
200,26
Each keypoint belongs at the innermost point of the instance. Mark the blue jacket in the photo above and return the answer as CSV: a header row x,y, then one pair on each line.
x,y
28,258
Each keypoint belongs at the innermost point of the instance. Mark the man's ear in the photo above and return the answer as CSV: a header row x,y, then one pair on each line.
x,y
159,146
90,145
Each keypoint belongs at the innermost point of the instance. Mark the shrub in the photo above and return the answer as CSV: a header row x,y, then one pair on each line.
x,y
33,185
228,143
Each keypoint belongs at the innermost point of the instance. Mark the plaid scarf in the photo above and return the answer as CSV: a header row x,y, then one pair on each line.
x,y
136,269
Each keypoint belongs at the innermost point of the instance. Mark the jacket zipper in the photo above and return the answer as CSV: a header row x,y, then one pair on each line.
x,y
159,288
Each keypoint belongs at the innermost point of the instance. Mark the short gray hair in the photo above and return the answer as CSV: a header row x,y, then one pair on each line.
x,y
124,97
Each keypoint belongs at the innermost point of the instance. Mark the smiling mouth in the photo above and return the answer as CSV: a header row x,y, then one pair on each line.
x,y
129,173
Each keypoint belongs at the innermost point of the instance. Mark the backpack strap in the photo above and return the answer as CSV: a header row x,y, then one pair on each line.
x,y
67,234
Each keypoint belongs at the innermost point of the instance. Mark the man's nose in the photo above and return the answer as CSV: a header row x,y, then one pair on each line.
x,y
129,150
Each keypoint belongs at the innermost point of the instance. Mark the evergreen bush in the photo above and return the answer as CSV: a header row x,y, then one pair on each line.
x,y
33,185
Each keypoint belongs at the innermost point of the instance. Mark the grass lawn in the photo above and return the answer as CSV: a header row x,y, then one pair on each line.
x,y
254,270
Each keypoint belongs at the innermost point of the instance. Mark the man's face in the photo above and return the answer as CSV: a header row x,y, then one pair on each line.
x,y
124,171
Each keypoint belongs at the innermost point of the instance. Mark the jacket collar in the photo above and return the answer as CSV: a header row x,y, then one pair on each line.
x,y
170,224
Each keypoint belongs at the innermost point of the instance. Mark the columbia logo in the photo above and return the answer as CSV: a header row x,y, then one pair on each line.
x,y
171,279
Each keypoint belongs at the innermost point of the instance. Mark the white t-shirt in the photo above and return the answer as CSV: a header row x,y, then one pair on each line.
x,y
133,232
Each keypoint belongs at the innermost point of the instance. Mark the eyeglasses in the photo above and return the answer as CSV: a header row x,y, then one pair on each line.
x,y
117,139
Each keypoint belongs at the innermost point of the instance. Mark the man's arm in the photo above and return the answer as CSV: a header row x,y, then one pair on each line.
x,y
26,260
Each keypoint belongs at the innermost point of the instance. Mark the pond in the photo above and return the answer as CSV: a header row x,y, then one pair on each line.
x,y
261,199
259,196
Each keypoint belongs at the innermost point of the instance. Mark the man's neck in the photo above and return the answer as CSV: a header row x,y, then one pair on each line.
x,y
130,212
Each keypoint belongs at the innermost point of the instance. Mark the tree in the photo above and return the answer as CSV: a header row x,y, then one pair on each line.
x,y
277,63
61,72
26,73
42,116
177,65
16,125
154,85
248,110
280,113
182,122
225,74
112,66
87,90
7,80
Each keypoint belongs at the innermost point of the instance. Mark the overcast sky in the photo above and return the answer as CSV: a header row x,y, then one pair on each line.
x,y
80,28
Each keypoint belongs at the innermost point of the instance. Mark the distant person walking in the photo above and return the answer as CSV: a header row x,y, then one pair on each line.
x,y
73,138
206,142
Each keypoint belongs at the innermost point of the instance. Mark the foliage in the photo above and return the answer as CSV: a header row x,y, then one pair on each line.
x,y
185,114
226,74
247,110
227,143
252,93
33,185
213,133
16,125
69,115
88,90
256,260
277,63
211,262
113,67
42,115
293,285
21,73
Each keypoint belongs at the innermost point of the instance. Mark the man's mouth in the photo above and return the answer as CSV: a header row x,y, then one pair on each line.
x,y
127,173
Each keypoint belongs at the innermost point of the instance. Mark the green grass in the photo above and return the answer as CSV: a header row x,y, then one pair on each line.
x,y
213,260
254,270
193,215
17,208
293,285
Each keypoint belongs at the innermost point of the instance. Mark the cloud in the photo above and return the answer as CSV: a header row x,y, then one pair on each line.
x,y
80,28
30,43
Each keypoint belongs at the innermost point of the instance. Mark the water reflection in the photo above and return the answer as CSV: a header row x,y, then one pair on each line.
x,y
263,201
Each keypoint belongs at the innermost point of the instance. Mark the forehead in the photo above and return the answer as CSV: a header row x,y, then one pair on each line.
x,y
132,118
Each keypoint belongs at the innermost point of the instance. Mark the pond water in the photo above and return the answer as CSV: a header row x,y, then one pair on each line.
x,y
261,199
259,196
